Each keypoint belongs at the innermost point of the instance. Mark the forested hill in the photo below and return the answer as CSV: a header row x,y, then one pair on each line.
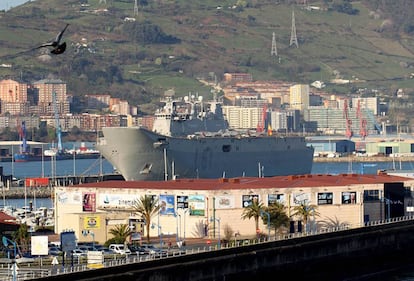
x,y
138,52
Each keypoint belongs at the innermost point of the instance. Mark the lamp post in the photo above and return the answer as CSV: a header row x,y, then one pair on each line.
x,y
218,223
387,203
268,223
159,232
6,242
176,215
185,212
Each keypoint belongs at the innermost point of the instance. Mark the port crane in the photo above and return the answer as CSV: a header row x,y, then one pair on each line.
x,y
362,122
348,122
54,151
57,124
262,122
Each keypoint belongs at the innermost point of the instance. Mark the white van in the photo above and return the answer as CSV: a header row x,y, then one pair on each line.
x,y
120,249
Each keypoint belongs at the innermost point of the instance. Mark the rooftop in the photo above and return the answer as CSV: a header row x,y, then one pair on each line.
x,y
299,181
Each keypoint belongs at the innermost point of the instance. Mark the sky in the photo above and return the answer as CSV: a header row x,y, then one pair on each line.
x,y
8,4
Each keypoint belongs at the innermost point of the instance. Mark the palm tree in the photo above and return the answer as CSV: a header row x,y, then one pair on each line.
x,y
305,211
254,210
334,223
120,234
21,236
147,206
278,216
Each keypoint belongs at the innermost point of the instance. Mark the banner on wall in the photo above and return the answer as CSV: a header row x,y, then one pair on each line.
x,y
197,204
300,198
224,202
108,200
182,201
89,202
91,222
167,204
247,200
279,198
69,198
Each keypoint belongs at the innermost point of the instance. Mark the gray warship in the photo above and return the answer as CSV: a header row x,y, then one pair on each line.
x,y
191,139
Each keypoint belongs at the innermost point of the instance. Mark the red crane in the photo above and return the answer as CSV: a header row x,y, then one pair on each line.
x,y
362,122
262,123
348,122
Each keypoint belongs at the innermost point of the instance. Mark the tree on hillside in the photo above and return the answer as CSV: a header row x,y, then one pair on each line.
x,y
254,210
146,207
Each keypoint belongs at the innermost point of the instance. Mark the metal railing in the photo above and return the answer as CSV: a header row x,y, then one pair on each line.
x,y
30,271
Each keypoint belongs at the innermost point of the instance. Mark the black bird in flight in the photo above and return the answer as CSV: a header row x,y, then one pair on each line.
x,y
57,47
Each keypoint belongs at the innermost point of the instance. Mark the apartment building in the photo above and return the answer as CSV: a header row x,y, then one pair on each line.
x,y
299,97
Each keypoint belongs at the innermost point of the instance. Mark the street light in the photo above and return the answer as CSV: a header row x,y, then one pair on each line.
x,y
159,232
218,223
185,212
6,242
176,215
268,222
387,203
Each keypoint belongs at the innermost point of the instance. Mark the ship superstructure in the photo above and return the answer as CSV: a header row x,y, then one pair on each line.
x,y
190,139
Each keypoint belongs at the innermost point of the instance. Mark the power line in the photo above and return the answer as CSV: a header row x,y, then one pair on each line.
x,y
273,51
136,8
293,37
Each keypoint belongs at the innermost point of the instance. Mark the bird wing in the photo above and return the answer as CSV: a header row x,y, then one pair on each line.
x,y
59,36
44,45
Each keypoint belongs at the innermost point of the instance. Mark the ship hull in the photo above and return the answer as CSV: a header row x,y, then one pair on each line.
x,y
140,154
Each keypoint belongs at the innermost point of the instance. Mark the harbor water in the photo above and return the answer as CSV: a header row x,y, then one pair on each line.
x,y
101,166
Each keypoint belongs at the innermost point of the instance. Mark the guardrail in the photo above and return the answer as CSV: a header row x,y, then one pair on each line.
x,y
30,271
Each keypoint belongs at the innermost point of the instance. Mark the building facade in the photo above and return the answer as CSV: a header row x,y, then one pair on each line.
x,y
299,97
202,208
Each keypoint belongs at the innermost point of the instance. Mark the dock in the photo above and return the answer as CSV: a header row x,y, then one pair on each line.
x,y
43,187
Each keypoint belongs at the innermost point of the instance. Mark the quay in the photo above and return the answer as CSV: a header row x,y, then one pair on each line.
x,y
43,187
356,159
340,254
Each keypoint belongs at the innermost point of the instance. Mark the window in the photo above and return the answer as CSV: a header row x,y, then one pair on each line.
x,y
247,200
226,148
325,198
371,195
348,197
146,169
272,198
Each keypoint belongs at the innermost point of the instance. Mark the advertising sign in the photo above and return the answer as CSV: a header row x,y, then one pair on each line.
x,y
167,204
89,202
39,245
224,202
247,200
197,205
91,222
182,202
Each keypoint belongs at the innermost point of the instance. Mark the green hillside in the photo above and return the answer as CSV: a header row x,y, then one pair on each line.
x,y
173,43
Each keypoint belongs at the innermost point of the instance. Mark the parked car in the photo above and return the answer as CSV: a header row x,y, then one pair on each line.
x,y
120,249
54,251
78,253
152,250
137,250
104,250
